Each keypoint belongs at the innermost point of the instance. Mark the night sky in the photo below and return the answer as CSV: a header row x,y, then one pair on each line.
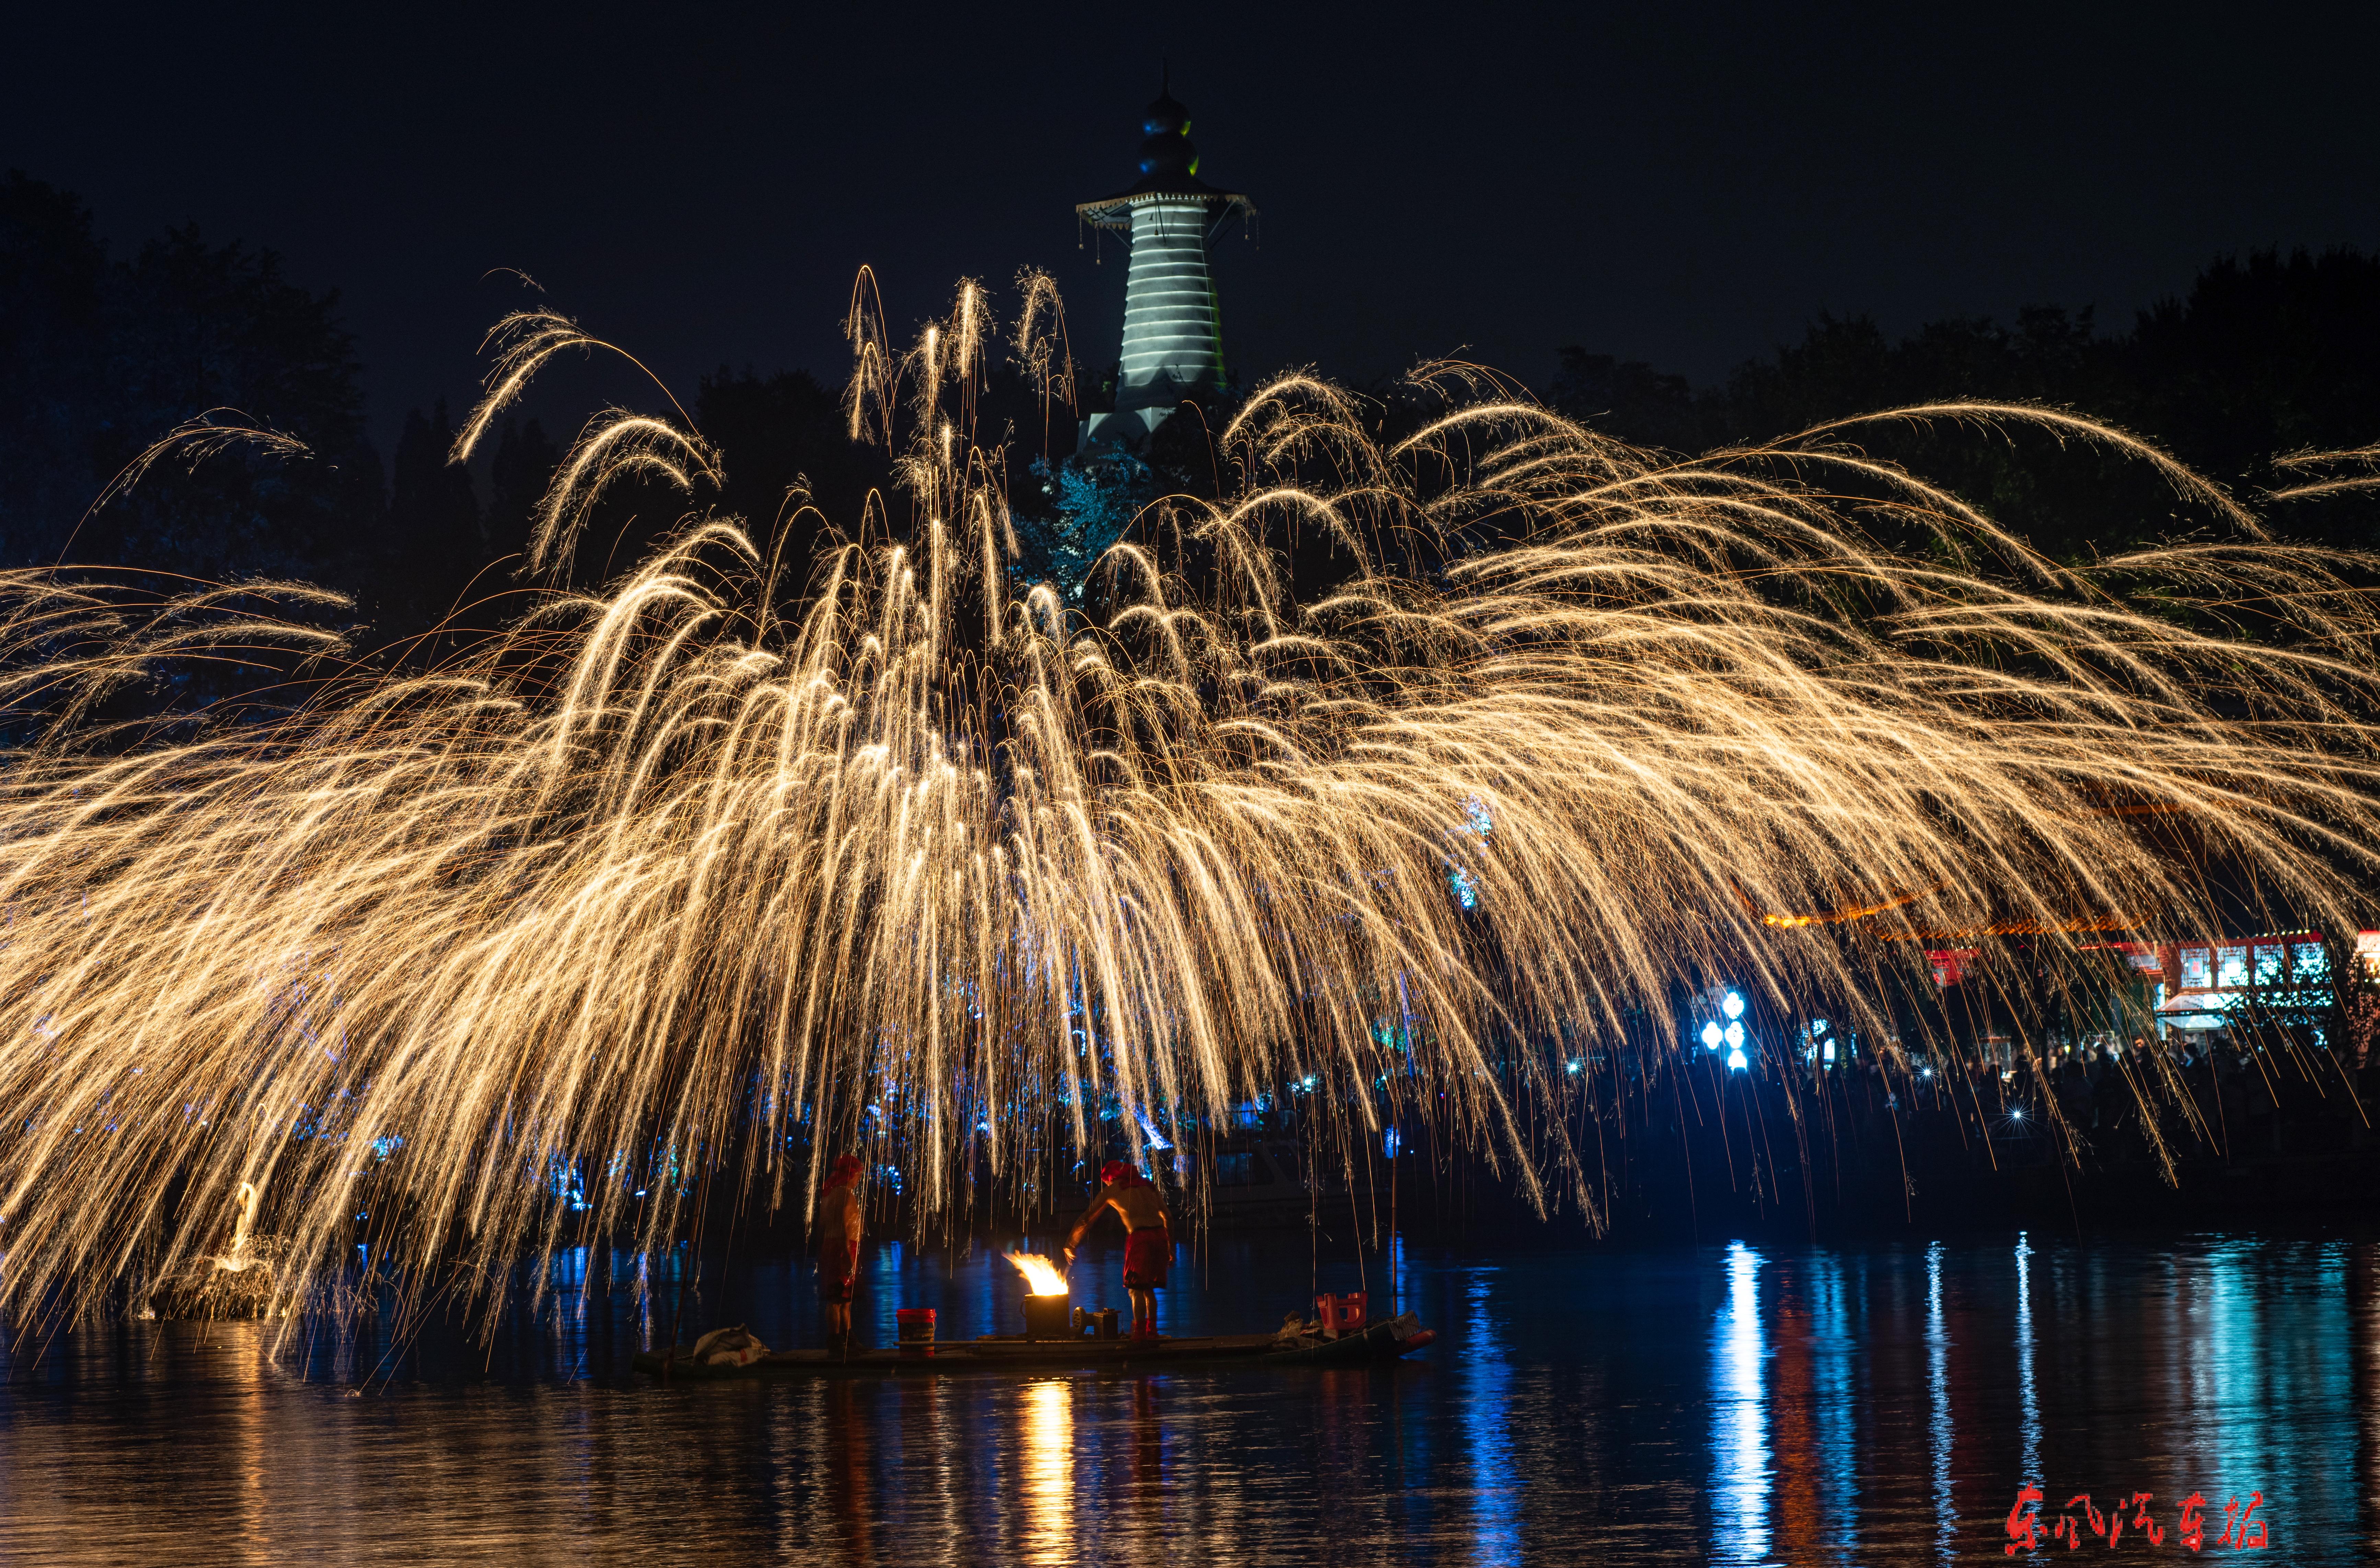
x,y
1687,185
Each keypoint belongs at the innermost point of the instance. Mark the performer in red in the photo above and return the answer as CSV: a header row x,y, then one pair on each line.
x,y
838,1225
1148,1241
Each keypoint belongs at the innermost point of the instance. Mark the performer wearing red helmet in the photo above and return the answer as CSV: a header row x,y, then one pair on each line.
x,y
1148,1241
838,1225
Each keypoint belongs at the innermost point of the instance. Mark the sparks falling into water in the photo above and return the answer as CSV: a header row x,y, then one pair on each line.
x,y
657,880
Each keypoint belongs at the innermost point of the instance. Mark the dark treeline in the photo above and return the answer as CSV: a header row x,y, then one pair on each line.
x,y
2269,1126
101,356
2264,358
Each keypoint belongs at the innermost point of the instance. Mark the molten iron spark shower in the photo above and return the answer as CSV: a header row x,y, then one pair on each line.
x,y
655,890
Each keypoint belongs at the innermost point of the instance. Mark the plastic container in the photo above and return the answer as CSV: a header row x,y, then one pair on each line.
x,y
916,1329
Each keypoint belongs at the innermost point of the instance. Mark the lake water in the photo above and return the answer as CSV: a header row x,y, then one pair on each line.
x,y
1724,1404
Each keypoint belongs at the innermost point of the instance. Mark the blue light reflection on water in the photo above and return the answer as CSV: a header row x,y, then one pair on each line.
x,y
1739,1418
1838,1328
2028,1468
2232,1381
2262,1380
1772,1404
1495,1482
1938,1395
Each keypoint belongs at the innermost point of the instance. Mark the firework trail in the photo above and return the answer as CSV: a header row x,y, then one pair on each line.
x,y
695,873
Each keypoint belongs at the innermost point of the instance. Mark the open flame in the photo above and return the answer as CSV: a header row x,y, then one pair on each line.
x,y
1041,1276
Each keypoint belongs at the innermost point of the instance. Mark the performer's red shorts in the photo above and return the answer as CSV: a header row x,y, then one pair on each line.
x,y
838,1268
1146,1254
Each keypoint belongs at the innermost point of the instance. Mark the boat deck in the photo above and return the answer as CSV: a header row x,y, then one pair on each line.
x,y
1379,1341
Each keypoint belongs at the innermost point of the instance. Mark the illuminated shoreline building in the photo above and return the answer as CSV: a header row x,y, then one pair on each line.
x,y
1172,338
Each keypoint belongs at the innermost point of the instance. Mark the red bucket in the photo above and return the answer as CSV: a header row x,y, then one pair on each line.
x,y
916,1329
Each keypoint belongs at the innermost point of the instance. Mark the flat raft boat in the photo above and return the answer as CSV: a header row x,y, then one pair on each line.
x,y
1384,1341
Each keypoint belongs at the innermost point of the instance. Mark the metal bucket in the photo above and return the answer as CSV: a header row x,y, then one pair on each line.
x,y
1048,1318
917,1327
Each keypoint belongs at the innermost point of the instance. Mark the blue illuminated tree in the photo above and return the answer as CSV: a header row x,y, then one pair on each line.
x,y
1093,500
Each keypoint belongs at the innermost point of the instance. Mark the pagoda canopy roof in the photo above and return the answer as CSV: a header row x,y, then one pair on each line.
x,y
1169,170
1115,212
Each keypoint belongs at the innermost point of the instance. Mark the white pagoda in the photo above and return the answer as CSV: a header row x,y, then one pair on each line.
x,y
1173,339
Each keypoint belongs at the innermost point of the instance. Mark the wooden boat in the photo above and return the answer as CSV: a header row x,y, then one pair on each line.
x,y
1384,1341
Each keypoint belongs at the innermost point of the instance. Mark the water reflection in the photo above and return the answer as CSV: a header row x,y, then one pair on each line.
x,y
848,1464
1488,1430
1739,1418
1148,1445
1769,1404
2361,1346
2233,1381
2028,1468
1049,1472
1834,1335
1937,1397
248,1453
